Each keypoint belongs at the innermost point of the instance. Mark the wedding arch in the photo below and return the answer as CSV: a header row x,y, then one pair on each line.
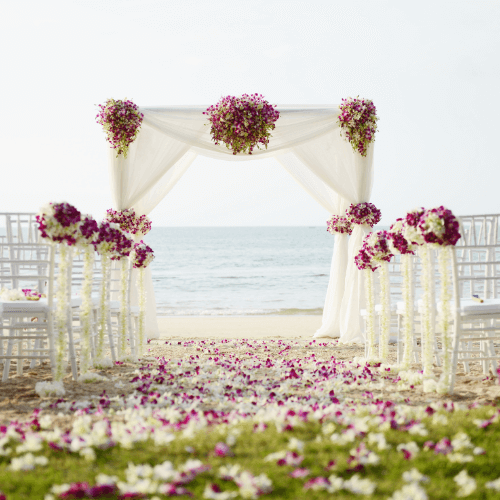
x,y
306,142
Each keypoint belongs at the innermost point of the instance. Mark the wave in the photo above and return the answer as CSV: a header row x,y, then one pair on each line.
x,y
220,312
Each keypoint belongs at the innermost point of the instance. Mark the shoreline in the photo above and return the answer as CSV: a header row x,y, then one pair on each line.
x,y
239,327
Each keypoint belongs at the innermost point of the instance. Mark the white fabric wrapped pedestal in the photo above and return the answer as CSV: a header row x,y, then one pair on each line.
x,y
306,141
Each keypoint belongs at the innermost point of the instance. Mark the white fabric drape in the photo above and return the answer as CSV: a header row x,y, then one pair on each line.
x,y
335,204
306,141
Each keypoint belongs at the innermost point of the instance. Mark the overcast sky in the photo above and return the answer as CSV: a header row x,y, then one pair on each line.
x,y
431,68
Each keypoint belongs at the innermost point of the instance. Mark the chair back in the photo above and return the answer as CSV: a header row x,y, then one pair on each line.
x,y
32,266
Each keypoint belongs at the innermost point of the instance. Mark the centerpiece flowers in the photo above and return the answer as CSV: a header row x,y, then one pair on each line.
x,y
358,122
111,244
439,228
121,121
375,253
242,123
88,231
398,244
141,256
136,226
58,223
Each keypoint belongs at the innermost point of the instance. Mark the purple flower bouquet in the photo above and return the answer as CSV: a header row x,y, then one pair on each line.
x,y
121,121
242,123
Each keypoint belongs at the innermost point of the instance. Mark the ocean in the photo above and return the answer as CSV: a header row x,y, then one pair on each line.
x,y
239,271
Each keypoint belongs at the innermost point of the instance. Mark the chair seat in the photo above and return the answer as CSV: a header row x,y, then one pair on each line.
x,y
31,306
114,305
401,308
467,306
378,309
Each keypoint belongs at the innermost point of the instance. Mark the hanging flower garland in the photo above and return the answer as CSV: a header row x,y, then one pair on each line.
x,y
242,123
129,221
374,254
58,222
121,121
398,244
363,213
338,224
440,229
412,233
123,248
87,234
105,246
141,257
358,120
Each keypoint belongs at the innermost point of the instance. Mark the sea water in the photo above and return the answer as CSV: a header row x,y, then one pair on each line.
x,y
231,271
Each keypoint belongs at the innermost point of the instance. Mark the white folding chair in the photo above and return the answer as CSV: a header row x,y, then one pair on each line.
x,y
27,326
476,325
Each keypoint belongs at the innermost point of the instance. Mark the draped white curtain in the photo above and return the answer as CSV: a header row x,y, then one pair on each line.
x,y
306,142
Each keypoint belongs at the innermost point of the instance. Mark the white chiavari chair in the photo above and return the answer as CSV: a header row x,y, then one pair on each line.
x,y
27,326
476,325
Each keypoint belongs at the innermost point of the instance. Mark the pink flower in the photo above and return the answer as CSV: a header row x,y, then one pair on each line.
x,y
223,450
297,473
317,483
444,446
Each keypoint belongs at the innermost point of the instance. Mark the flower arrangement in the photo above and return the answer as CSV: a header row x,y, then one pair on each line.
x,y
439,226
88,231
59,222
61,312
338,224
363,213
129,221
242,123
121,121
375,253
358,119
103,244
32,294
399,244
112,244
141,257
410,226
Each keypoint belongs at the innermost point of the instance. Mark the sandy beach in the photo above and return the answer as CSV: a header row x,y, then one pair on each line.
x,y
242,327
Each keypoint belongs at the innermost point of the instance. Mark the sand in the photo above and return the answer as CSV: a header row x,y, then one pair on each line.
x,y
244,327
18,397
